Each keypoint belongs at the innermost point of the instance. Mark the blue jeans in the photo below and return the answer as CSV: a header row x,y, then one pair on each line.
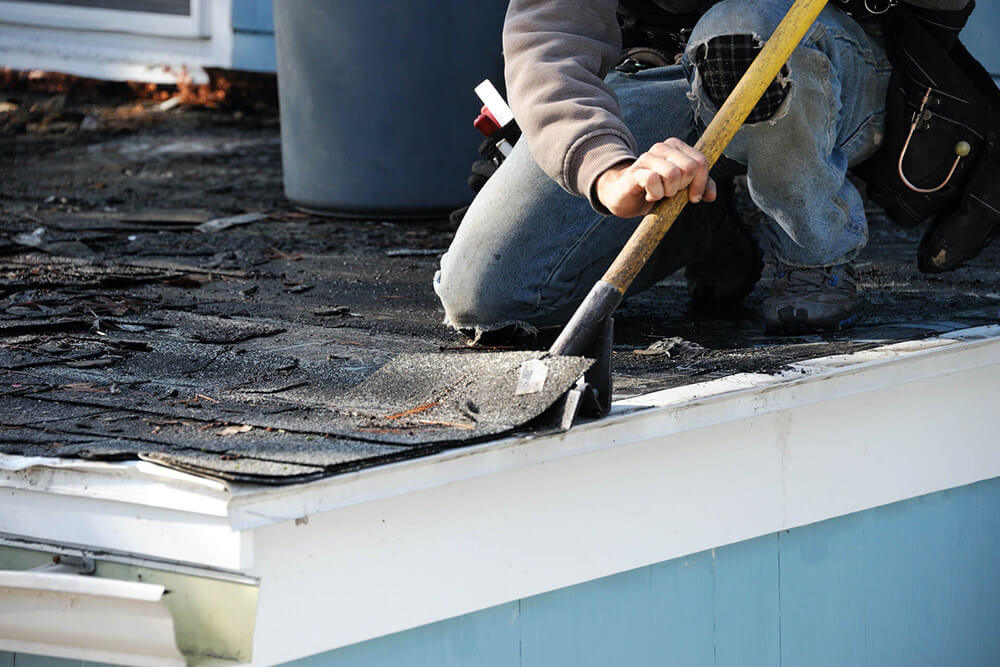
x,y
527,252
833,118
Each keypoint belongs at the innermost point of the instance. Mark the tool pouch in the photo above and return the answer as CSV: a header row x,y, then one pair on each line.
x,y
490,146
943,112
483,170
962,233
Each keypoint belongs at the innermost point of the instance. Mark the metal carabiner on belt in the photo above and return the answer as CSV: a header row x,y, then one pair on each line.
x,y
962,149
878,7
867,8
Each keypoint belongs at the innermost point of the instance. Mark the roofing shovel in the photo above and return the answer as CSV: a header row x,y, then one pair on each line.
x,y
441,398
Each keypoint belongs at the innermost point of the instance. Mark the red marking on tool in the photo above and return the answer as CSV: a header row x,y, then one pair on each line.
x,y
486,123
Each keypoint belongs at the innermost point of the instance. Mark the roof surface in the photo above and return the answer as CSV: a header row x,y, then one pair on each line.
x,y
125,332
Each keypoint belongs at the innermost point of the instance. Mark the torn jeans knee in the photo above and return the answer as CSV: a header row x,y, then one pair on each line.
x,y
477,316
721,62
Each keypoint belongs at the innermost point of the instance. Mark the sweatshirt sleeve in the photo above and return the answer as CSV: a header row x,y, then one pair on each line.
x,y
557,53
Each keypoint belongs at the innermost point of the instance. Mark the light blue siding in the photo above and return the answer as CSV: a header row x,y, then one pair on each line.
x,y
487,638
823,594
607,614
915,583
747,604
253,36
253,16
948,583
254,52
981,34
683,610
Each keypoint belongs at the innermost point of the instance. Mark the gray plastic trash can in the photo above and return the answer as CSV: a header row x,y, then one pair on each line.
x,y
377,101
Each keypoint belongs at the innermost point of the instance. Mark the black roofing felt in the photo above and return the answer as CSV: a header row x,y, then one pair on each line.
x,y
243,354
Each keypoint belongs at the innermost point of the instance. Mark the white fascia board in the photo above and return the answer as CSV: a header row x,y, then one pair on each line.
x,y
161,534
121,56
135,482
627,492
136,507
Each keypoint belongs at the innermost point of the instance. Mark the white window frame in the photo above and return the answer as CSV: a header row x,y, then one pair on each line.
x,y
196,25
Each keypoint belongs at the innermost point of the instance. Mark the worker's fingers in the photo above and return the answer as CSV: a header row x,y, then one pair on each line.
x,y
651,182
662,171
697,188
693,166
689,150
623,190
711,191
695,175
671,175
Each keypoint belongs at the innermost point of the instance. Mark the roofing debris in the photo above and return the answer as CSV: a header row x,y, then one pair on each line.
x,y
217,225
243,354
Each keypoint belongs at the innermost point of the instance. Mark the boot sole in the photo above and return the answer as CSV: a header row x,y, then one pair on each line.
x,y
798,326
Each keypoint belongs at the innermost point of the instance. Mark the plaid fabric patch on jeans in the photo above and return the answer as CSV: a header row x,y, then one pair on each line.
x,y
724,60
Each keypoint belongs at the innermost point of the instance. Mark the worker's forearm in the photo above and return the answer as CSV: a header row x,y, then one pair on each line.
x,y
557,53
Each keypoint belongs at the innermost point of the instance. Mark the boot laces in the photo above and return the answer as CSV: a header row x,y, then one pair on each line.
x,y
820,278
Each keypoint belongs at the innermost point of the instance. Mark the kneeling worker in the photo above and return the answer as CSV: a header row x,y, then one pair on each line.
x,y
601,144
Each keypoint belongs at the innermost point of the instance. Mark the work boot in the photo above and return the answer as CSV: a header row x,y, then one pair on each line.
x,y
730,268
810,300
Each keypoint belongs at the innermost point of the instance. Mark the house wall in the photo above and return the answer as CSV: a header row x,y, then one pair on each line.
x,y
91,38
912,583
253,35
980,35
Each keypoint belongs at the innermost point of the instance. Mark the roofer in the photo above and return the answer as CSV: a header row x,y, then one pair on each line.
x,y
614,129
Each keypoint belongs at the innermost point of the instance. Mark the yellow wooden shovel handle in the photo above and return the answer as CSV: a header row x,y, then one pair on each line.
x,y
727,122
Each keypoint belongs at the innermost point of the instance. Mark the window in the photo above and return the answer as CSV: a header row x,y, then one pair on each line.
x,y
171,18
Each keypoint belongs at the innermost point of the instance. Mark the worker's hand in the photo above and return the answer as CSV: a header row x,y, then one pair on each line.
x,y
628,190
